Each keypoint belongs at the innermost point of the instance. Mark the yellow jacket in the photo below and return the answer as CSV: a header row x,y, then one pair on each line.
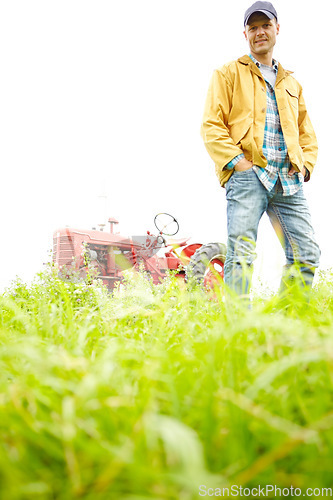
x,y
235,112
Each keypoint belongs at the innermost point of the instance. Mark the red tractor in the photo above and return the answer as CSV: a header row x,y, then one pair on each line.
x,y
77,252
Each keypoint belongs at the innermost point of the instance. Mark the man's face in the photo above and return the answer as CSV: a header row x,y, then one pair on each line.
x,y
261,32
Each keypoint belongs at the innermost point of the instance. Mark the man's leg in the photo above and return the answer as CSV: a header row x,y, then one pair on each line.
x,y
246,203
290,217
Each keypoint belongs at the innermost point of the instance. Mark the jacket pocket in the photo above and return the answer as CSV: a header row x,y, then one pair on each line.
x,y
292,97
239,130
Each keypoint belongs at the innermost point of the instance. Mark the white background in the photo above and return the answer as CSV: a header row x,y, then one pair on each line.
x,y
105,98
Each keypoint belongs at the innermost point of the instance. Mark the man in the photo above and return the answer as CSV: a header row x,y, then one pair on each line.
x,y
257,130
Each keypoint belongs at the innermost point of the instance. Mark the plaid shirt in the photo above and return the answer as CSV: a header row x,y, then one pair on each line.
x,y
274,147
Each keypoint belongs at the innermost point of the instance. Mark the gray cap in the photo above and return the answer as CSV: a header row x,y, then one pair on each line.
x,y
264,7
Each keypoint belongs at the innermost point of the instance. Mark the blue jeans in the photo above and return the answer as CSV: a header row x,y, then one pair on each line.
x,y
247,200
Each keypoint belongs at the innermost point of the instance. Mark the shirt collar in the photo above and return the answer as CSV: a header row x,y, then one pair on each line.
x,y
258,64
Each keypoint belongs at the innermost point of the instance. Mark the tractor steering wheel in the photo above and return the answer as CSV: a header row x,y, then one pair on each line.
x,y
166,224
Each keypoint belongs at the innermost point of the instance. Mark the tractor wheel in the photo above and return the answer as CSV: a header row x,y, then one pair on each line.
x,y
207,265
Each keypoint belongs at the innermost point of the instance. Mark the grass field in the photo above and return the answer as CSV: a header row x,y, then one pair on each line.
x,y
156,392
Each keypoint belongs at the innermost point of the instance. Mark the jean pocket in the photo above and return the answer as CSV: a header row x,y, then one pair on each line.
x,y
243,172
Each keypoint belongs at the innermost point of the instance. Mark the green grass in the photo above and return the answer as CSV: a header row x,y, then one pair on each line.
x,y
154,391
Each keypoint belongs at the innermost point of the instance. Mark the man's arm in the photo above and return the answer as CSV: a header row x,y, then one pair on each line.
x,y
214,130
307,138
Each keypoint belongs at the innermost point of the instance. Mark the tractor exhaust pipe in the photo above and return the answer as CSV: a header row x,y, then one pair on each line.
x,y
112,221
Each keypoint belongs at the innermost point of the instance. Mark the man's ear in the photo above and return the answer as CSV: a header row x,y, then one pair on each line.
x,y
245,34
277,29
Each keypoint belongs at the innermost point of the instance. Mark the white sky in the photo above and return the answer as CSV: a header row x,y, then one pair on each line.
x,y
106,98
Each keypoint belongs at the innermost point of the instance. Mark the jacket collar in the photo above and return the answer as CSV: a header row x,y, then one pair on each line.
x,y
282,73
